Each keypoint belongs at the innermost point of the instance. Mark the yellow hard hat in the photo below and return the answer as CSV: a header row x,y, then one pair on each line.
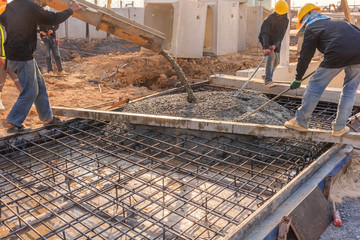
x,y
3,3
304,10
2,9
281,7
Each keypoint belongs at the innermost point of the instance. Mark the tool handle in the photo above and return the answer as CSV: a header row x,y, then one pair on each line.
x,y
270,101
252,75
337,219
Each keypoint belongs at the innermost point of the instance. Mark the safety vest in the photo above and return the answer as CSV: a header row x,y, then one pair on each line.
x,y
2,43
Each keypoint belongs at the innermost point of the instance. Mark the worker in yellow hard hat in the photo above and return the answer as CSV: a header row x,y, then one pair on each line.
x,y
339,42
271,34
3,71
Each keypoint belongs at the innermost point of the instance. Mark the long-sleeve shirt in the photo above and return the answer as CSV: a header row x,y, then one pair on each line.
x,y
46,28
20,19
273,30
339,41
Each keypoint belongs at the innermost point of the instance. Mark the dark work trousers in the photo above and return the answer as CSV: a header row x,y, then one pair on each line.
x,y
51,45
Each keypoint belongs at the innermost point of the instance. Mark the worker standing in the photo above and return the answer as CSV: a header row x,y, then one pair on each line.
x,y
48,36
20,19
3,71
339,42
271,34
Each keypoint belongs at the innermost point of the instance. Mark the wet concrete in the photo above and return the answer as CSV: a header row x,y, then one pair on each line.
x,y
215,105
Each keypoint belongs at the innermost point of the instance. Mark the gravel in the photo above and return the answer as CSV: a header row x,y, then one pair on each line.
x,y
350,215
215,105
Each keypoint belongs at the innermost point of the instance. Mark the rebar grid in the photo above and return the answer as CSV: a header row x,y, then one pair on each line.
x,y
98,180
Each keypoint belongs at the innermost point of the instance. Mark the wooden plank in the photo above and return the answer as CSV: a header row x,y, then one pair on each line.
x,y
346,10
253,129
111,22
312,216
330,94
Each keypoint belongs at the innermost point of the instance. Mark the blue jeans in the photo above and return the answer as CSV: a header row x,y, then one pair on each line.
x,y
271,64
317,84
34,91
51,45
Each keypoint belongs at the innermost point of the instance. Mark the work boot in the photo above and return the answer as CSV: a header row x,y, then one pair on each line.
x,y
62,73
293,124
18,129
270,85
53,122
339,133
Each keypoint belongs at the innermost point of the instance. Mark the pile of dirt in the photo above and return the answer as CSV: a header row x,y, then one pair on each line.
x,y
216,105
347,183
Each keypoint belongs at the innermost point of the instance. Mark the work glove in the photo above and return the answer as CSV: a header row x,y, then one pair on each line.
x,y
267,52
295,84
272,48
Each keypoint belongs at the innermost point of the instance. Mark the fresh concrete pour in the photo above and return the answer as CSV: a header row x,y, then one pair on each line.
x,y
215,105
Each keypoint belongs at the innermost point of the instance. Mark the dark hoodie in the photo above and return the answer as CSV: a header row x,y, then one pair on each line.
x,y
20,19
273,30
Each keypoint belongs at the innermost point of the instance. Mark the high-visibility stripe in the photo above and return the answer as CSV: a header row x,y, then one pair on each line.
x,y
2,43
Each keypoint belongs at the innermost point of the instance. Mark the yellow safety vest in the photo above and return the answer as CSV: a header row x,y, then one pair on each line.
x,y
2,43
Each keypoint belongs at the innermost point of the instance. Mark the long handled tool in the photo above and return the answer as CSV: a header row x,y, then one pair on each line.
x,y
271,100
252,75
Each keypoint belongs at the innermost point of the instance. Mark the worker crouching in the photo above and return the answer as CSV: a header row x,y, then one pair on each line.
x,y
339,42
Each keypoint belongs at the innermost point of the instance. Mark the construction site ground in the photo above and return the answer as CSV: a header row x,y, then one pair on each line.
x,y
112,71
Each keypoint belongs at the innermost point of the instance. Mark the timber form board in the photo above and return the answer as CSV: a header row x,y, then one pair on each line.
x,y
260,130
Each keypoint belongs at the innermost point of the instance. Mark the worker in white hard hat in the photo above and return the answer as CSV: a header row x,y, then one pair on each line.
x,y
339,42
3,71
271,34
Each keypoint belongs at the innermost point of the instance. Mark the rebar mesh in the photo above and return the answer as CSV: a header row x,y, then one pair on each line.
x,y
98,180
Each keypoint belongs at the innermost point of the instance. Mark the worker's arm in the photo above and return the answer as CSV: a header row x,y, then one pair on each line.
x,y
52,18
264,34
307,52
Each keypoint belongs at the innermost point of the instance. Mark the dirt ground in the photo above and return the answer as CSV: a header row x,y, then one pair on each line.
x,y
140,72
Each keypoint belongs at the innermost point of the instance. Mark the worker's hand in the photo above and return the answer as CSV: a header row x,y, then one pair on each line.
x,y
75,6
2,62
43,33
272,48
267,52
50,31
295,84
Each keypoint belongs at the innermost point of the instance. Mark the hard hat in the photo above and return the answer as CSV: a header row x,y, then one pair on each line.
x,y
281,7
304,10
3,3
2,9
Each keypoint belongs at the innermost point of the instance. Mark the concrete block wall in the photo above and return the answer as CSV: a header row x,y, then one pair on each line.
x,y
77,28
252,26
183,23
225,25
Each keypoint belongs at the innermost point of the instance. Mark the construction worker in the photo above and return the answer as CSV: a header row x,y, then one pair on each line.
x,y
48,36
20,19
3,71
271,34
339,42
